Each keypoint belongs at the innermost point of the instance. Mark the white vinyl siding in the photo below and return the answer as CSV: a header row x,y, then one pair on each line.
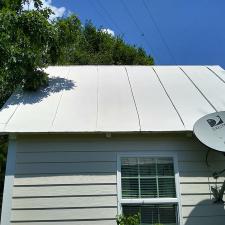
x,y
84,190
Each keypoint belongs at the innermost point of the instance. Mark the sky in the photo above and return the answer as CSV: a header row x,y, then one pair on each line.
x,y
172,31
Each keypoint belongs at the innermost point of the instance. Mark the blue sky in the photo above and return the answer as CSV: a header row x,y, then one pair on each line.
x,y
172,31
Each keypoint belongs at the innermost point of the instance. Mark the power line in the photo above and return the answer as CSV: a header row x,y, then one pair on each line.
x,y
98,12
159,31
109,16
136,24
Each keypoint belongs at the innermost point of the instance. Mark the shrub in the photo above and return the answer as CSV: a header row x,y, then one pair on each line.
x,y
129,220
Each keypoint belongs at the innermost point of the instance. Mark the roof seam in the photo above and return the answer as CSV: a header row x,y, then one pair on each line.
x,y
169,97
57,108
199,90
132,93
216,74
12,114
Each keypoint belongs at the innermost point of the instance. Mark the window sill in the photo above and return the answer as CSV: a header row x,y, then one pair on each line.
x,y
149,201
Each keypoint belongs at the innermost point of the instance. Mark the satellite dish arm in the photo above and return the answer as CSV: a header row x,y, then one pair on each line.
x,y
216,175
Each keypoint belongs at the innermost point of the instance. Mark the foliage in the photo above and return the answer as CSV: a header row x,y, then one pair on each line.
x,y
89,45
129,220
26,39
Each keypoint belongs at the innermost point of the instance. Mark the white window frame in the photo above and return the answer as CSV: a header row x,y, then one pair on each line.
x,y
121,201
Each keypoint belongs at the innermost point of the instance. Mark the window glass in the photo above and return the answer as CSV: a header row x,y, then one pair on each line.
x,y
165,167
129,167
147,166
148,187
166,187
151,214
130,188
147,177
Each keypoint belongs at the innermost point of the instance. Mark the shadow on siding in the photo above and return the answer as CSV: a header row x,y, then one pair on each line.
x,y
205,212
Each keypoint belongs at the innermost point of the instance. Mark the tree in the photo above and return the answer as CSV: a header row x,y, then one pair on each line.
x,y
26,42
88,45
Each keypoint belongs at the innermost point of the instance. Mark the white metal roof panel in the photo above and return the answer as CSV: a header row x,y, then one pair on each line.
x,y
218,72
2,126
36,110
116,108
111,98
188,101
210,85
152,101
18,98
10,107
77,110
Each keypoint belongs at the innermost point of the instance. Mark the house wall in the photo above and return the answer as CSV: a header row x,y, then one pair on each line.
x,y
71,180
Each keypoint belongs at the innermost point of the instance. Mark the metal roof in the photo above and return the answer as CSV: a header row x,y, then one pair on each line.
x,y
117,99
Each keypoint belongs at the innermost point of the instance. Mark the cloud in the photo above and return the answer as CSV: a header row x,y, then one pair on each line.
x,y
58,12
108,31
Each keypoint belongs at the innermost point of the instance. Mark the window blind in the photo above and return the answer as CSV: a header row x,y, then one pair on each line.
x,y
147,177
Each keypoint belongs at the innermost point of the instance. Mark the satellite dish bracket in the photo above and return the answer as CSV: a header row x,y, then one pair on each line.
x,y
216,175
207,156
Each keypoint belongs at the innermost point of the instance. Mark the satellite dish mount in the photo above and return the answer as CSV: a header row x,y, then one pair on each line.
x,y
210,130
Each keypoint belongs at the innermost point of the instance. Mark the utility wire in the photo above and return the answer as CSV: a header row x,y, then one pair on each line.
x,y
102,16
136,24
109,16
159,31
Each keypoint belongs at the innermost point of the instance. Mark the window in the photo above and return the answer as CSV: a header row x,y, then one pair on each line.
x,y
147,185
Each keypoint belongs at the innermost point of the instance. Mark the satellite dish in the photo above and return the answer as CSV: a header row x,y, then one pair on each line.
x,y
210,130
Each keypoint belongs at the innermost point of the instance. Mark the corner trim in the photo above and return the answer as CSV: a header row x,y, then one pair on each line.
x,y
9,181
